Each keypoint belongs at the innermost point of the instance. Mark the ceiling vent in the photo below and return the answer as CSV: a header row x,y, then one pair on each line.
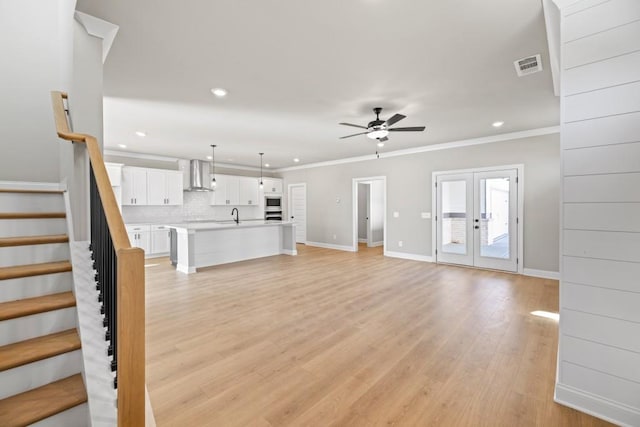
x,y
528,65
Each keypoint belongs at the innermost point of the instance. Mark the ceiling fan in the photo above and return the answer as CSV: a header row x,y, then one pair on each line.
x,y
379,129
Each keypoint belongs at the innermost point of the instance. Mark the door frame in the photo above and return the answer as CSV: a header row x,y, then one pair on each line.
x,y
354,210
520,207
289,187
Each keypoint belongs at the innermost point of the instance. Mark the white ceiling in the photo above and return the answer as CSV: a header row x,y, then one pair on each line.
x,y
294,69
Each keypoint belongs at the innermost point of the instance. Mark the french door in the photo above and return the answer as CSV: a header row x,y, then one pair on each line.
x,y
476,221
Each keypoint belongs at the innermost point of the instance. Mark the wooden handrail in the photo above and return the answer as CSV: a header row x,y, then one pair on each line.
x,y
130,281
112,212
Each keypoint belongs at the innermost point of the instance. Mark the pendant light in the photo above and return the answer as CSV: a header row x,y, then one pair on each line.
x,y
261,183
213,166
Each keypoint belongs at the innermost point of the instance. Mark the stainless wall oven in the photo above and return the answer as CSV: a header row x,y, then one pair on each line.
x,y
273,208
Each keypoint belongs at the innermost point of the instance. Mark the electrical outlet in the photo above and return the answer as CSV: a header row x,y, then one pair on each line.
x,y
337,199
400,243
335,237
396,214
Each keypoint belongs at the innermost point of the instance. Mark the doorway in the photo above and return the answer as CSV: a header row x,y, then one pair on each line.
x,y
478,215
369,211
298,210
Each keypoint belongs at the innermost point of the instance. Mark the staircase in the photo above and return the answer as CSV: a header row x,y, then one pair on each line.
x,y
40,358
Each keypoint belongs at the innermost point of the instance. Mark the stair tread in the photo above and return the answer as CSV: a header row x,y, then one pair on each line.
x,y
29,191
42,402
29,306
24,352
32,215
33,240
28,270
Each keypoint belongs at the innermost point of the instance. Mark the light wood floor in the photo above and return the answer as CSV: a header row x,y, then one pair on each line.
x,y
333,338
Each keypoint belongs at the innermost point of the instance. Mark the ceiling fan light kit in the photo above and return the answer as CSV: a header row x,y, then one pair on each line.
x,y
379,129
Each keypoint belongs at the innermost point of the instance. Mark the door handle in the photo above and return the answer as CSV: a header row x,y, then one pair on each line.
x,y
476,227
477,220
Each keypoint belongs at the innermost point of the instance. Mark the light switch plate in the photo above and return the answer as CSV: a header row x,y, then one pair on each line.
x,y
426,215
396,214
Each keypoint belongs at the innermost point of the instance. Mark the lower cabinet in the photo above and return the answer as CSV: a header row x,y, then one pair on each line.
x,y
140,237
153,239
159,239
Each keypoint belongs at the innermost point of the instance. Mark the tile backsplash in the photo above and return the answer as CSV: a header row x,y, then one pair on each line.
x,y
196,207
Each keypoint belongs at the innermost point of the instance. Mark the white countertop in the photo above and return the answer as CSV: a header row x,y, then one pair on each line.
x,y
219,225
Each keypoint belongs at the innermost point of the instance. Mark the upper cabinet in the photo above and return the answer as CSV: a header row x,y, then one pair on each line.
x,y
249,190
164,187
272,185
143,186
134,186
233,190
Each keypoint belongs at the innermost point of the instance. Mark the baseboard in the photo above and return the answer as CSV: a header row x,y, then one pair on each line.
x,y
376,244
292,252
330,246
607,410
362,240
43,186
404,255
544,274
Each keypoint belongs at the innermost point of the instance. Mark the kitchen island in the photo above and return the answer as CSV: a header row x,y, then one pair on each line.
x,y
206,243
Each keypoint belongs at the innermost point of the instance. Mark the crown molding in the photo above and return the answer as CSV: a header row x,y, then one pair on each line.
x,y
98,28
157,157
432,147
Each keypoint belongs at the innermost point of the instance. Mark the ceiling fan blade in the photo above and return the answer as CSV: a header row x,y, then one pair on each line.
x,y
351,124
383,139
409,129
355,134
395,119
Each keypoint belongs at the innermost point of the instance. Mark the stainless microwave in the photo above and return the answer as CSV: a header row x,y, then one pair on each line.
x,y
273,203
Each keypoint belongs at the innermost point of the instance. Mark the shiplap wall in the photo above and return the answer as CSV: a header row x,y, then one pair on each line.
x,y
599,355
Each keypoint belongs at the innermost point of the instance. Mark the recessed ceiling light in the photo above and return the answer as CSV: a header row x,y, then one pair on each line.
x,y
296,160
209,157
141,134
380,144
219,92
122,146
497,124
266,165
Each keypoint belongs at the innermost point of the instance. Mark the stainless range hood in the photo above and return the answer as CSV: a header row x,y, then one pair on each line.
x,y
199,179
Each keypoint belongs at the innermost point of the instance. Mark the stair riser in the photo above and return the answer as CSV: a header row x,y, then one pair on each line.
x,y
35,254
37,374
31,202
35,286
32,227
24,328
78,416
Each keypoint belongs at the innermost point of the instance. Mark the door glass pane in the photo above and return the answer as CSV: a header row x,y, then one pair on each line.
x,y
494,218
454,217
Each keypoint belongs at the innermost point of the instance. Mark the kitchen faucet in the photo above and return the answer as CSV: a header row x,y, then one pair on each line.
x,y
237,218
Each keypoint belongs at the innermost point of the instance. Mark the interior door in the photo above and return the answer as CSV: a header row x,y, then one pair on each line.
x,y
298,211
454,223
476,222
495,220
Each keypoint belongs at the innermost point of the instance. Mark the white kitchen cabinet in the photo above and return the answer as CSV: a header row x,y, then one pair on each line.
x,y
227,192
272,185
114,171
249,191
164,187
159,239
140,237
134,186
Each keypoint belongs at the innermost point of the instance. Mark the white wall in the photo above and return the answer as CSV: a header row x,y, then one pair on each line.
x,y
599,352
36,46
409,189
